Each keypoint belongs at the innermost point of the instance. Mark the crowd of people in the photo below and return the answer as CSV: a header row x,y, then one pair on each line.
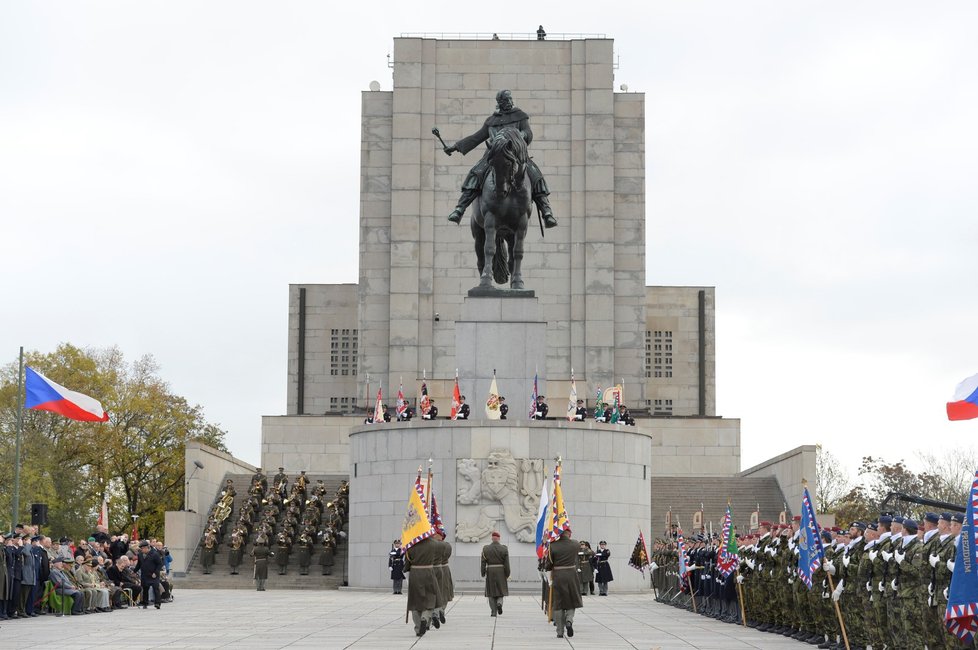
x,y
99,574
887,580
277,521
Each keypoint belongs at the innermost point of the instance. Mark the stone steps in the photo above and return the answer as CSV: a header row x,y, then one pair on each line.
x,y
684,495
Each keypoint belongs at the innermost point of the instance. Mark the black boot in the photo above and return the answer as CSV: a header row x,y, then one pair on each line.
x,y
463,202
543,204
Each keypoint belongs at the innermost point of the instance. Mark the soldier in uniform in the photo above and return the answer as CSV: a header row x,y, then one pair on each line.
x,y
585,571
849,586
602,568
419,562
326,557
259,478
432,413
281,483
236,550
581,413
304,553
209,551
443,573
261,552
283,547
542,409
495,569
463,409
927,563
908,585
561,561
503,408
395,562
506,115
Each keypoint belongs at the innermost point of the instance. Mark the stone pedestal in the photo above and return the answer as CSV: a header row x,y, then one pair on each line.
x,y
507,334
606,484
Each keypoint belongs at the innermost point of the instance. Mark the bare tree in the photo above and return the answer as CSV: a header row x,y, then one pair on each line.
x,y
832,481
951,474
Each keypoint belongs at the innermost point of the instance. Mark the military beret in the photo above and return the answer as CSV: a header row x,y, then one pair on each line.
x,y
957,517
796,518
897,519
910,525
873,527
827,535
495,534
945,516
858,524
886,519
932,517
765,524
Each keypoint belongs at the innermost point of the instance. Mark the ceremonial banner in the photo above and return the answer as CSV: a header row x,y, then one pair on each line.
x,y
640,554
533,398
424,404
572,399
416,525
379,407
755,520
681,552
964,404
103,514
492,402
728,557
962,597
783,517
559,512
598,410
456,398
698,520
810,551
668,522
401,402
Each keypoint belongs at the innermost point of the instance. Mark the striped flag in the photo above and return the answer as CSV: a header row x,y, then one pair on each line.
x,y
572,399
401,402
543,521
728,558
379,407
598,411
558,510
533,398
681,552
456,398
103,514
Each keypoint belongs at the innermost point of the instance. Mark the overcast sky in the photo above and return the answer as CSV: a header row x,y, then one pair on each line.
x,y
167,168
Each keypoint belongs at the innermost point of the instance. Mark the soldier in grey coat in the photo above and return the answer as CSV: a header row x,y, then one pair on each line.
x,y
495,569
419,563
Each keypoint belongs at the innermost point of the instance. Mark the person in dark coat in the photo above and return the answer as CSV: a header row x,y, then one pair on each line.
x,y
261,552
443,573
419,562
150,566
503,408
495,569
28,578
395,562
561,561
585,570
463,409
602,568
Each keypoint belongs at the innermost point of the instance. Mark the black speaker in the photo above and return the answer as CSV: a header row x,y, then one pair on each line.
x,y
39,514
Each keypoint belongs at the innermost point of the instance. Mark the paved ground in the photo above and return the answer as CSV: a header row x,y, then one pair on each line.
x,y
336,620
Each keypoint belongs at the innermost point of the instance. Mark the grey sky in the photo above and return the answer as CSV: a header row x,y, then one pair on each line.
x,y
167,168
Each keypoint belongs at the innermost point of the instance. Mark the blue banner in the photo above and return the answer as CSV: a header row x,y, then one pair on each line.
x,y
962,596
810,551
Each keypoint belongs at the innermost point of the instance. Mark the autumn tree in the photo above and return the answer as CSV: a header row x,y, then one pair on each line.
x,y
135,460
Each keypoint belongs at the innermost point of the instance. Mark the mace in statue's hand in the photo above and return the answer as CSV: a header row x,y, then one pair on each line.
x,y
450,150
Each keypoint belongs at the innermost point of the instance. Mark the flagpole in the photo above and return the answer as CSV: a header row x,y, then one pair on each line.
x,y
838,611
428,489
15,502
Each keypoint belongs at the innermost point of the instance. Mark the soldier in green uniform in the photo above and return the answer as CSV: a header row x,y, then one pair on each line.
x,y
947,551
304,553
283,547
908,585
866,587
419,564
891,588
209,551
585,571
327,555
446,586
495,569
561,561
236,551
261,552
927,564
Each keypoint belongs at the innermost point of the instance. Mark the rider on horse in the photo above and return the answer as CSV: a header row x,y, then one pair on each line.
x,y
506,115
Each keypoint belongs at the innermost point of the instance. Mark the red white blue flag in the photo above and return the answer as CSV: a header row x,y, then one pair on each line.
x,y
533,398
401,402
961,617
42,394
681,552
728,558
544,518
964,404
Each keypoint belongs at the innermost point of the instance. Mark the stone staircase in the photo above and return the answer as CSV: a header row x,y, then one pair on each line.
x,y
220,576
684,495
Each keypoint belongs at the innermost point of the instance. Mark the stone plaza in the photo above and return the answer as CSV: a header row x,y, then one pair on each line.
x,y
335,620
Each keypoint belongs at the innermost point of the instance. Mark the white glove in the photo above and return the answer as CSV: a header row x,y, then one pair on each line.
x,y
945,593
740,580
930,589
933,560
930,601
887,556
750,563
881,587
791,581
654,566
869,587
893,585
950,566
760,567
899,557
797,551
872,555
538,414
828,567
838,591
845,561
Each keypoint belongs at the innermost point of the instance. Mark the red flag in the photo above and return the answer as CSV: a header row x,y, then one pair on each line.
x,y
401,403
135,532
103,514
456,398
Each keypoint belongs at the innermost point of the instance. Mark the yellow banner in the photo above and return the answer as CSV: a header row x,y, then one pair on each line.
x,y
416,526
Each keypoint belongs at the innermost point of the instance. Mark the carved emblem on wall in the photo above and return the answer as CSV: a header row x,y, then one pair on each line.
x,y
495,492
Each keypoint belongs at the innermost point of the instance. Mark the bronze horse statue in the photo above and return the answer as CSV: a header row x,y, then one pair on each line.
x,y
502,211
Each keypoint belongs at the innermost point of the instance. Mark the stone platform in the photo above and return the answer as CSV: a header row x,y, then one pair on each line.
x,y
487,475
331,620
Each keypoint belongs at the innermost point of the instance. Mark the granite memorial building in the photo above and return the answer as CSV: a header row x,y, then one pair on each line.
x,y
593,314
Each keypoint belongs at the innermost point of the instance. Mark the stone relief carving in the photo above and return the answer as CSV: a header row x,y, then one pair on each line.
x,y
498,489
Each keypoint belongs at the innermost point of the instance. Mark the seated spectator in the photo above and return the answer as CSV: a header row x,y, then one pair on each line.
x,y
126,581
64,587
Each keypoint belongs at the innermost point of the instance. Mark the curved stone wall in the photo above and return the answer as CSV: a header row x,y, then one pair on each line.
x,y
605,482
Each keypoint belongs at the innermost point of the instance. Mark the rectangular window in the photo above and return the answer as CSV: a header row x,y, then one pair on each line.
x,y
662,346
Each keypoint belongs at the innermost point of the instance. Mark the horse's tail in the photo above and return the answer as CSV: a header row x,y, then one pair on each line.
x,y
500,264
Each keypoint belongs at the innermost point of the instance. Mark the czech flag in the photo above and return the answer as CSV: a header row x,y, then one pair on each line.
x,y
543,525
964,406
45,395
